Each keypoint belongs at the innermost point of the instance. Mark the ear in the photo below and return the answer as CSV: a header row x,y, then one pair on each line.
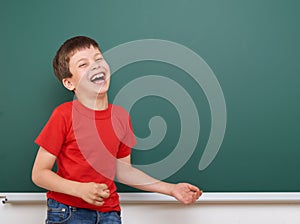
x,y
68,84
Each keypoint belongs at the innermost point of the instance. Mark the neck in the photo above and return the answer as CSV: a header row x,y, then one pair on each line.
x,y
99,102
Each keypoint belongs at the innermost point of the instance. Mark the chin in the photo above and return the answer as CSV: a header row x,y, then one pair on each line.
x,y
103,91
103,88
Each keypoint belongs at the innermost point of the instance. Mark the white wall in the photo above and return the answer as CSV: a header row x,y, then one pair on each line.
x,y
211,214
152,208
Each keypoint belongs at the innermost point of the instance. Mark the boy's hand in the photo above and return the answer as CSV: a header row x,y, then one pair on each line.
x,y
93,193
186,193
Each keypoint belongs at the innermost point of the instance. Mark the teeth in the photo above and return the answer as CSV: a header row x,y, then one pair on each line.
x,y
97,77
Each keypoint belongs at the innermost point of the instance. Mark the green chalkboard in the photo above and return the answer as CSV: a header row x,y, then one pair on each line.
x,y
211,81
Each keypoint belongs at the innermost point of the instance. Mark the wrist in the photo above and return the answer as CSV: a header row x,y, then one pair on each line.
x,y
75,189
168,189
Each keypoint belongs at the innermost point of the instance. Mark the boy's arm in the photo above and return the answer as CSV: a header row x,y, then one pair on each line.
x,y
126,174
43,176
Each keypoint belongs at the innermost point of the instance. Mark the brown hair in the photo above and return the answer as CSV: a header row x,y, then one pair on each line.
x,y
66,50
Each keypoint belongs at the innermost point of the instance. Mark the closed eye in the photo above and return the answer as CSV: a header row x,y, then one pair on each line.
x,y
82,65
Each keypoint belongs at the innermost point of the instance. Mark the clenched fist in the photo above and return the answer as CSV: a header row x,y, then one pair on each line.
x,y
93,193
186,193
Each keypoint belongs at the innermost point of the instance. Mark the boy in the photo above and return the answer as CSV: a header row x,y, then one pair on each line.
x,y
90,140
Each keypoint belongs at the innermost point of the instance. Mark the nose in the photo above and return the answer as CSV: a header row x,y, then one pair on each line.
x,y
95,66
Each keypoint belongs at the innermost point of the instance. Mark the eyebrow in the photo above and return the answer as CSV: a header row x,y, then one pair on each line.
x,y
83,59
97,54
80,60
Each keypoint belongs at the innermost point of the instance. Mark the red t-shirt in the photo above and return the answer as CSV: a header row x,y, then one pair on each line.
x,y
86,144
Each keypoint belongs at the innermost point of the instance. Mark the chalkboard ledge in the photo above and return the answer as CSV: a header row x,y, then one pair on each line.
x,y
209,197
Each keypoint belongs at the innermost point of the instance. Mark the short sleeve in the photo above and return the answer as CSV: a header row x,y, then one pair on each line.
x,y
127,142
53,134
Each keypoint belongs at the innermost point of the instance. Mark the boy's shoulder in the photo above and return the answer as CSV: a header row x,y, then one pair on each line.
x,y
66,106
118,107
119,110
63,109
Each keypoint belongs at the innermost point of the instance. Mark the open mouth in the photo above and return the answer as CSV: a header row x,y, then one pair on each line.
x,y
98,78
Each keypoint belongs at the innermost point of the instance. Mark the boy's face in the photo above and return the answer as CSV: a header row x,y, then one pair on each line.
x,y
90,73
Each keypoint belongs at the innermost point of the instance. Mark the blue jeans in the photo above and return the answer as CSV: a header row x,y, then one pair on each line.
x,y
64,214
